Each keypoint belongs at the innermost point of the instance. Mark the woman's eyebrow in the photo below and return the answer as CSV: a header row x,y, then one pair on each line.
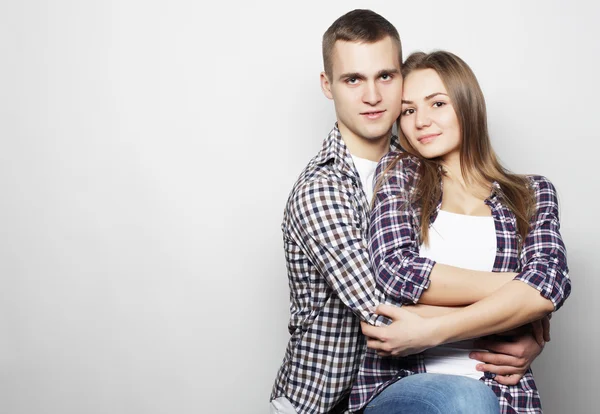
x,y
428,97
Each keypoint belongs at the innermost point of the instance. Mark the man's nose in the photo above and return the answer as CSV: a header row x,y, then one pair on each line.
x,y
372,95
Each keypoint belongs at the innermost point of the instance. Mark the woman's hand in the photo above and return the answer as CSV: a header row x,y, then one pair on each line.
x,y
408,333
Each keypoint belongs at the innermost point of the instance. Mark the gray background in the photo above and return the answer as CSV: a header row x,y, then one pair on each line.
x,y
146,152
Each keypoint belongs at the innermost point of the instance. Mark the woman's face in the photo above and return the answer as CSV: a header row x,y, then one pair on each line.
x,y
428,119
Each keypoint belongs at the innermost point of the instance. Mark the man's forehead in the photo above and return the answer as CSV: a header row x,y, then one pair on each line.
x,y
367,58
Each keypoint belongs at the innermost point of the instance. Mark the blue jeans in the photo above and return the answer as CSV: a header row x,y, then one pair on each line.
x,y
435,394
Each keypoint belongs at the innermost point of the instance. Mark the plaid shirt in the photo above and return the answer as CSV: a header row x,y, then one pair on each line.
x,y
401,273
325,233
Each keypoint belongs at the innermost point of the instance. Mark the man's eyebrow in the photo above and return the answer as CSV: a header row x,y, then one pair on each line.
x,y
358,75
393,71
351,75
428,97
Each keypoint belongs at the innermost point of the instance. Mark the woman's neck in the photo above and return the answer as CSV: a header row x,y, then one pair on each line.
x,y
467,183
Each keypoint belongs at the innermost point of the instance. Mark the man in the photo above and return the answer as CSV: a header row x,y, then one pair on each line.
x,y
325,224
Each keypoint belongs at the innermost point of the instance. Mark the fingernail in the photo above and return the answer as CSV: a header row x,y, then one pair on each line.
x,y
479,367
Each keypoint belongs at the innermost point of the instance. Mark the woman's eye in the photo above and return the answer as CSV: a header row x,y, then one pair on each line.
x,y
408,111
439,104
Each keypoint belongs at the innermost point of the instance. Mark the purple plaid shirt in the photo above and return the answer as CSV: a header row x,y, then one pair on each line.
x,y
325,233
401,273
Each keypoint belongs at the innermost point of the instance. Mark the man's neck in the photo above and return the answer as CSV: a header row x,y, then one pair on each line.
x,y
370,149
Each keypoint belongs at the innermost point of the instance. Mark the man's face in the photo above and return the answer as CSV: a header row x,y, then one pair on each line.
x,y
366,87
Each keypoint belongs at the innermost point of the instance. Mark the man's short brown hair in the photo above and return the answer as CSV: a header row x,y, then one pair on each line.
x,y
358,25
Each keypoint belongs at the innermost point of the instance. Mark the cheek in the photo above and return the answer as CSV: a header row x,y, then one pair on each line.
x,y
450,121
405,127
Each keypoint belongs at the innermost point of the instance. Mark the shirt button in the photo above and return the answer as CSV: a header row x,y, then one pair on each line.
x,y
500,249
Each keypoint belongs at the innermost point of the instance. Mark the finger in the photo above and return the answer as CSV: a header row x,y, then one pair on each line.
x,y
508,380
498,359
538,332
500,369
391,311
546,327
374,344
371,331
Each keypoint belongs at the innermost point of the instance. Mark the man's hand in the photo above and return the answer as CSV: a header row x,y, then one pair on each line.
x,y
508,359
541,330
408,333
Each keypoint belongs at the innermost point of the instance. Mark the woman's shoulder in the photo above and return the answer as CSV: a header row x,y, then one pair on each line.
x,y
544,192
539,181
398,169
402,162
540,184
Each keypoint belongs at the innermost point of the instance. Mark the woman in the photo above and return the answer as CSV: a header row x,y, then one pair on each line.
x,y
452,229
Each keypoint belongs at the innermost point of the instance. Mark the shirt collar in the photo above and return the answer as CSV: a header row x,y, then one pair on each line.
x,y
334,149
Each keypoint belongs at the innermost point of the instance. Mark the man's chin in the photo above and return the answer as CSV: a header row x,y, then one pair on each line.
x,y
377,134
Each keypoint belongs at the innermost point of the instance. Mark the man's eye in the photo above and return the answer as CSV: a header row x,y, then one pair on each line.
x,y
385,76
351,81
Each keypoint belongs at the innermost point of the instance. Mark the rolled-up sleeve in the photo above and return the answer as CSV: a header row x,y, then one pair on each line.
x,y
544,256
393,246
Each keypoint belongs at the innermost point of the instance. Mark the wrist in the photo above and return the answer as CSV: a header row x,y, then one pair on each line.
x,y
438,334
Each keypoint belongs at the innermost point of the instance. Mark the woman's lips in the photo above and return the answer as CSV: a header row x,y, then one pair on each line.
x,y
424,139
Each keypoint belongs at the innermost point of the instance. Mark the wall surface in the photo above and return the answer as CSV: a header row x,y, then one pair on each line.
x,y
146,152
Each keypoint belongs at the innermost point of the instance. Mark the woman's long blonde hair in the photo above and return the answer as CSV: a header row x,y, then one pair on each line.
x,y
478,160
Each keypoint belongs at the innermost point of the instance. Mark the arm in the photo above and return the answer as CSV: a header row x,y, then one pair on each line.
x,y
541,287
431,311
323,220
508,355
511,306
454,286
394,247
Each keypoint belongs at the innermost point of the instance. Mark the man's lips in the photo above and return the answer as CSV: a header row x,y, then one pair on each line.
x,y
373,114
424,139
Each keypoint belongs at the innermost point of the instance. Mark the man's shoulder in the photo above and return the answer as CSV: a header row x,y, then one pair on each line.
x,y
319,188
318,180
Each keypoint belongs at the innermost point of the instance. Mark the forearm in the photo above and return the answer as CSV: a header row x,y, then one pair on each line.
x,y
431,311
513,305
454,286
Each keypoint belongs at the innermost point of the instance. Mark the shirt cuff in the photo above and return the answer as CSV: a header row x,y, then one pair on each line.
x,y
547,276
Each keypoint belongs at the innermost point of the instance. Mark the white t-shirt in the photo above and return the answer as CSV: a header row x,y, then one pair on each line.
x,y
462,241
366,172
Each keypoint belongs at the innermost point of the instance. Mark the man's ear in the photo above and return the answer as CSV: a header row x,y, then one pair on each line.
x,y
326,85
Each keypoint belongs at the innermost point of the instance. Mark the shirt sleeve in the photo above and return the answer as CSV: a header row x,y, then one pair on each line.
x,y
325,223
543,256
394,243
